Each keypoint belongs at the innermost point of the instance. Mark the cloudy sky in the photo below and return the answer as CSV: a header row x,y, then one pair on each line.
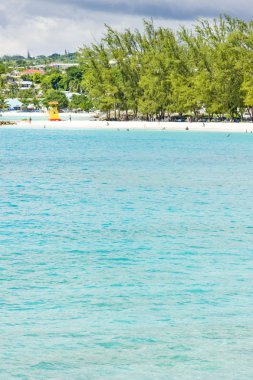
x,y
48,26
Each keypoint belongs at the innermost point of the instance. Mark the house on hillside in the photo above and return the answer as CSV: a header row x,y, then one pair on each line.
x,y
25,84
62,66
14,104
32,72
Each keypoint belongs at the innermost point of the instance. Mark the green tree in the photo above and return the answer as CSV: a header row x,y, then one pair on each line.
x,y
53,96
80,102
52,81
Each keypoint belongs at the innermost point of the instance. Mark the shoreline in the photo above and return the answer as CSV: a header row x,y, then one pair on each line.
x,y
81,121
133,125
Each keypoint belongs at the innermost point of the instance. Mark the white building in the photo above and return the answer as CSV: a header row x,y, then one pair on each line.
x,y
25,84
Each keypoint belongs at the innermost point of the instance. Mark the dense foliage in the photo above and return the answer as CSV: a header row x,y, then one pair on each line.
x,y
157,72
55,95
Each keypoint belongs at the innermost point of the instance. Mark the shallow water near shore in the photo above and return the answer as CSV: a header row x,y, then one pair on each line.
x,y
126,255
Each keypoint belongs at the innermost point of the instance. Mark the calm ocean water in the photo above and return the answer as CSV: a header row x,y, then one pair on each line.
x,y
126,255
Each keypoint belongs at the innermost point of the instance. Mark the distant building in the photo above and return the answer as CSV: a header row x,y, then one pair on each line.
x,y
32,71
70,94
31,107
60,65
25,84
13,76
14,104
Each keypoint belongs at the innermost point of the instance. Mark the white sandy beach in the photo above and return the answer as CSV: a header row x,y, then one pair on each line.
x,y
86,124
179,126
135,125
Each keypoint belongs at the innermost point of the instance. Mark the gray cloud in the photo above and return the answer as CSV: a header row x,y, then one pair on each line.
x,y
164,9
46,26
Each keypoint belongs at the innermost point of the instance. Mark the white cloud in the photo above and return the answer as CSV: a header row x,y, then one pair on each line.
x,y
46,35
48,26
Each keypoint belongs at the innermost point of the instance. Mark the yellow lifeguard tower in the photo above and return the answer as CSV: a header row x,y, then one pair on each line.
x,y
53,111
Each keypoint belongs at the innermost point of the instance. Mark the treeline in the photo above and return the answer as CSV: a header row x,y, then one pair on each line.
x,y
21,61
159,72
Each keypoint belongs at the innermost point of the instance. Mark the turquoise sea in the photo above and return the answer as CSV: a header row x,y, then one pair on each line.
x,y
126,255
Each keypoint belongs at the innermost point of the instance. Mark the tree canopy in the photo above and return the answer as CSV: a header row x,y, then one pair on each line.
x,y
158,71
54,95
